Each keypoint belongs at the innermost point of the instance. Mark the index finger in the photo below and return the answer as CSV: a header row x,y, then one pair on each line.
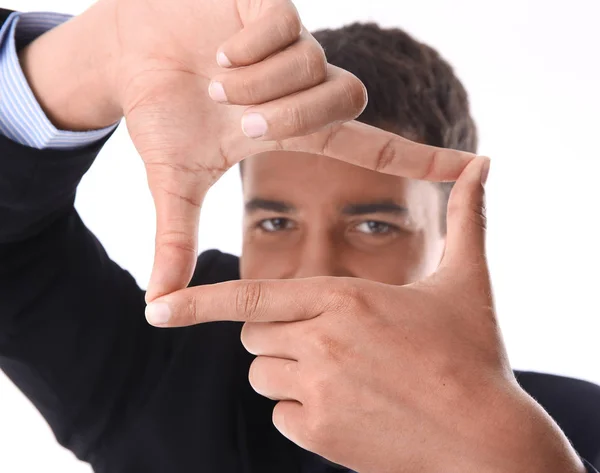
x,y
284,300
372,148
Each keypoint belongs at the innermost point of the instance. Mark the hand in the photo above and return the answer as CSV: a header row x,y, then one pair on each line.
x,y
153,62
389,379
168,66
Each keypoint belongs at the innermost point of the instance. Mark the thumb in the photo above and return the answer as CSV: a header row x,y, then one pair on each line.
x,y
466,227
168,132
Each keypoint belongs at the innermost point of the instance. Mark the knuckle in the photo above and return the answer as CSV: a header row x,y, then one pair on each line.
x,y
291,367
289,25
246,52
355,94
191,200
476,213
192,310
386,156
248,299
346,296
247,90
329,348
177,240
315,64
479,217
296,119
328,139
429,172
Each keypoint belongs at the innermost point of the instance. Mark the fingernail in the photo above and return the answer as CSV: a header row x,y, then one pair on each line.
x,y
485,170
158,313
223,60
254,125
217,92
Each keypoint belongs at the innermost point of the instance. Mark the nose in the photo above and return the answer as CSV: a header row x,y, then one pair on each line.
x,y
320,255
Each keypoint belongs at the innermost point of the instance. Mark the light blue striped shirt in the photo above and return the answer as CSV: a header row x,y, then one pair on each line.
x,y
22,120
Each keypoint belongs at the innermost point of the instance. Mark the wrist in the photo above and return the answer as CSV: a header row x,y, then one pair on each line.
x,y
526,438
71,71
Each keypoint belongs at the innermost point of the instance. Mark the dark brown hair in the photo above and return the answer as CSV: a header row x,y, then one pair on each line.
x,y
412,90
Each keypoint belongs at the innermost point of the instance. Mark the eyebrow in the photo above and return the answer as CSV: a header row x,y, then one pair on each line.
x,y
362,208
365,208
254,205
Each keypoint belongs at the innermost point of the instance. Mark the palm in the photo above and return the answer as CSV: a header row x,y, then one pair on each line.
x,y
166,61
175,126
165,75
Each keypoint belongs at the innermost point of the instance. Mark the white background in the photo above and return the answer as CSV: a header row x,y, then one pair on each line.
x,y
532,69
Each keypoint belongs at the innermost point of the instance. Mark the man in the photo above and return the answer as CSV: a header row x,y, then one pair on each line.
x,y
127,397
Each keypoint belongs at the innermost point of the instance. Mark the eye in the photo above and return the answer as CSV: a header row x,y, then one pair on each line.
x,y
373,227
271,225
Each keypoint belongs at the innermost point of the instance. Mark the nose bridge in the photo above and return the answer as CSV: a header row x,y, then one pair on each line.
x,y
319,255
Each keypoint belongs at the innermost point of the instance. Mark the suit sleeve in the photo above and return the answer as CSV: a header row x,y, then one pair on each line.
x,y
73,336
589,467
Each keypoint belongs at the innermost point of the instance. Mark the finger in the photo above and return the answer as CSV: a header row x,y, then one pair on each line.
x,y
275,378
317,113
299,67
465,239
177,214
289,419
339,98
269,339
165,133
274,27
372,148
247,301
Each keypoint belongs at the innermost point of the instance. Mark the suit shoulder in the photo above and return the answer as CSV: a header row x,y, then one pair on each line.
x,y
573,403
561,386
214,266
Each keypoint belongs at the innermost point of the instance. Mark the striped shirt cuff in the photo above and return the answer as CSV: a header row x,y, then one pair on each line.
x,y
22,119
590,467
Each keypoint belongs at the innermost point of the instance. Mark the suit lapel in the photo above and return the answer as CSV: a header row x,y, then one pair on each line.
x,y
4,14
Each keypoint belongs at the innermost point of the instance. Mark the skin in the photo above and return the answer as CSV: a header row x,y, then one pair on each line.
x,y
299,222
375,376
449,401
191,88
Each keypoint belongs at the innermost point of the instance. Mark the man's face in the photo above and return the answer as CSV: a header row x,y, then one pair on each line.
x,y
308,215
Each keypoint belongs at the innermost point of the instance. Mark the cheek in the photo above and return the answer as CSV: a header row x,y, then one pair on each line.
x,y
261,260
406,261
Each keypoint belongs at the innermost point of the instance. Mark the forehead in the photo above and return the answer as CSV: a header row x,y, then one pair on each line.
x,y
294,176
